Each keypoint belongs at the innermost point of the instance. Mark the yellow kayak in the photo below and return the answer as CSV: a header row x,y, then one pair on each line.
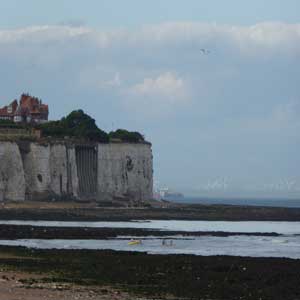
x,y
135,242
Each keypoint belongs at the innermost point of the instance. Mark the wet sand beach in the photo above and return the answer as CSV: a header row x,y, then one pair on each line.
x,y
149,276
15,285
91,211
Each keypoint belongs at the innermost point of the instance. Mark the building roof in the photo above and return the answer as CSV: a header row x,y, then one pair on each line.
x,y
27,106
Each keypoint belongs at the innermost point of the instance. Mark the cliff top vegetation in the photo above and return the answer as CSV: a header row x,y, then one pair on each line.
x,y
9,124
80,125
76,125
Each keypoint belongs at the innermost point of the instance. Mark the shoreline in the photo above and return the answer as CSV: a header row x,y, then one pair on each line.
x,y
91,211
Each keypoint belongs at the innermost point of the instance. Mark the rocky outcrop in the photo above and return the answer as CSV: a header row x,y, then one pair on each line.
x,y
102,172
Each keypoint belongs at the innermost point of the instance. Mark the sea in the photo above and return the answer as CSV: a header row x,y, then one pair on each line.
x,y
287,244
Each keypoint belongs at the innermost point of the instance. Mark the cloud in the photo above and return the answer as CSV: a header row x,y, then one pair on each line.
x,y
268,35
159,95
167,87
38,34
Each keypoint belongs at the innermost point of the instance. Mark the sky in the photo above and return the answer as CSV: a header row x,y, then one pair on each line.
x,y
214,85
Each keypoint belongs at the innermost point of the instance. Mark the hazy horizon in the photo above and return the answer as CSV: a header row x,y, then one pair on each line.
x,y
213,86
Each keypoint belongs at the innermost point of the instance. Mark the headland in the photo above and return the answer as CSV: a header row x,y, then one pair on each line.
x,y
69,159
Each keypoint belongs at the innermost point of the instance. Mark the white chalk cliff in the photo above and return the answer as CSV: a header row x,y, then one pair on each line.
x,y
61,170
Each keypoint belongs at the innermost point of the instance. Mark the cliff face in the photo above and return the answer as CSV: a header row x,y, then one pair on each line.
x,y
125,170
12,179
56,171
50,171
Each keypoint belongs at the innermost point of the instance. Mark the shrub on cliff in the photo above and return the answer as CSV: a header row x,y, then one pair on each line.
x,y
79,124
126,136
53,128
76,124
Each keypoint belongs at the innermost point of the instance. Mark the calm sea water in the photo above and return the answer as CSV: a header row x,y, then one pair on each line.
x,y
253,246
242,201
286,245
176,225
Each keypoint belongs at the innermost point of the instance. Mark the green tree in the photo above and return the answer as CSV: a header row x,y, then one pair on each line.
x,y
76,124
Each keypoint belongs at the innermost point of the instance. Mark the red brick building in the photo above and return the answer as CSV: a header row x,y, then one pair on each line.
x,y
28,110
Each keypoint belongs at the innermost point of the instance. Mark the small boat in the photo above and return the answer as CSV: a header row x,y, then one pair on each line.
x,y
134,242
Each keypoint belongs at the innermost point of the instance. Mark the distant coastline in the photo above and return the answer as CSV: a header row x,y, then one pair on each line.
x,y
244,201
